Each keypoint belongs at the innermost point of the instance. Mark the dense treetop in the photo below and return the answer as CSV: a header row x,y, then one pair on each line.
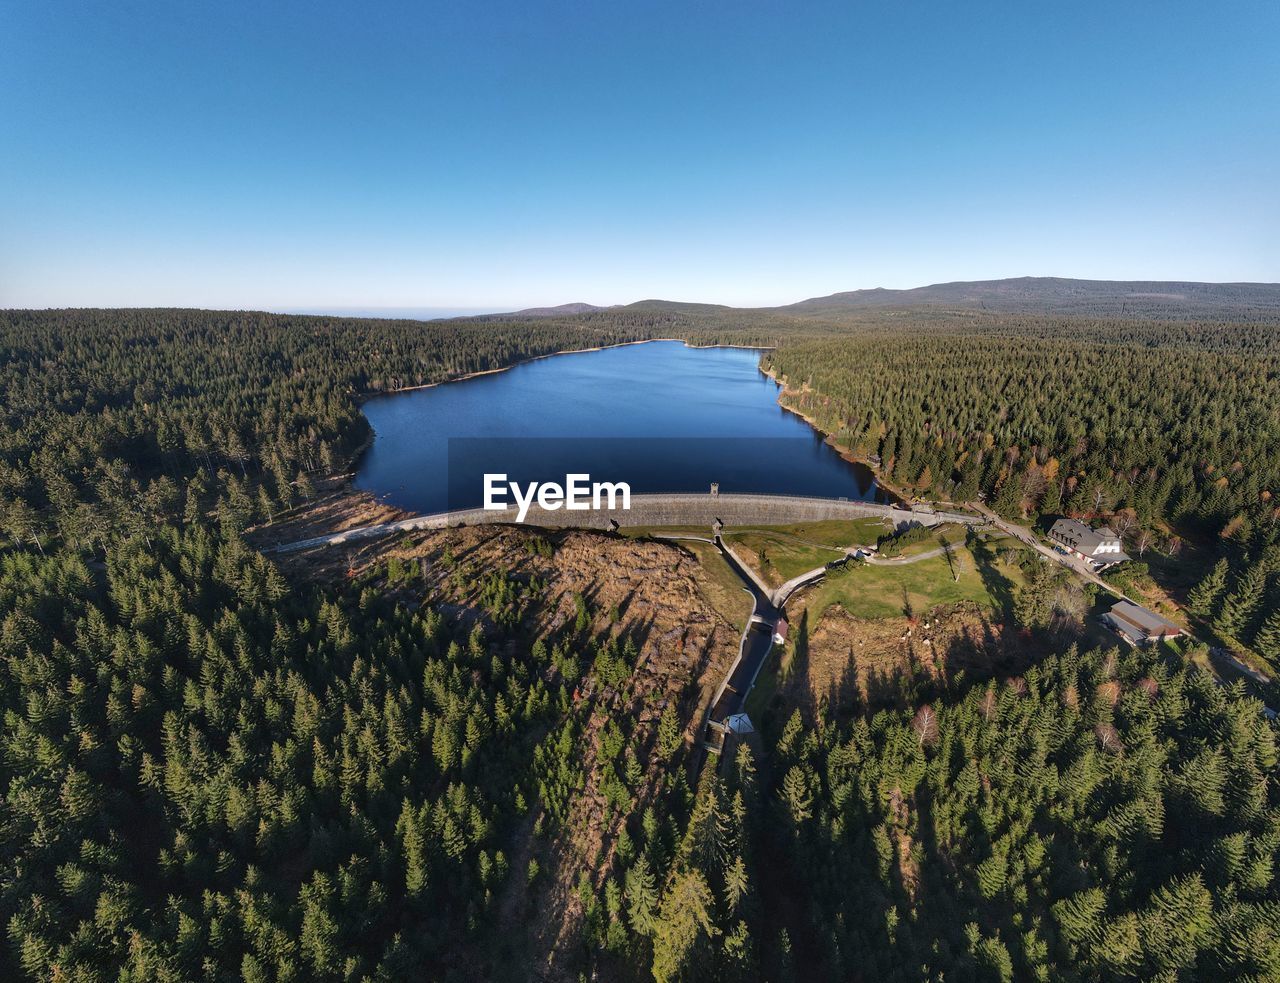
x,y
103,410
1171,420
210,773
1101,817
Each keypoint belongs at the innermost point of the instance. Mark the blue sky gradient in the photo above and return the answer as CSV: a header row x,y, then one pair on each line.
x,y
496,155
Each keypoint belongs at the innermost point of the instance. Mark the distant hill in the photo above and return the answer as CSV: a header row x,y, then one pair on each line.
x,y
1172,300
559,311
1058,295
650,306
679,307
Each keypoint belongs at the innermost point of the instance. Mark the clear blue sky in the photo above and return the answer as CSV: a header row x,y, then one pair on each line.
x,y
492,155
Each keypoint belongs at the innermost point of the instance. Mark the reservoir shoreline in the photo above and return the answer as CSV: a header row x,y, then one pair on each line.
x,y
845,452
737,420
362,398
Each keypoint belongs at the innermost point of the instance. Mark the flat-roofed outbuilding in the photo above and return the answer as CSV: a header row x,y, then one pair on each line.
x,y
1138,626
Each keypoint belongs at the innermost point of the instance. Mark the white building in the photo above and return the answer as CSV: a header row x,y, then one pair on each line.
x,y
1100,548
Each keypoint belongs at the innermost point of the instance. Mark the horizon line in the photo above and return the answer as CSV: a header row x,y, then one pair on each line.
x,y
445,312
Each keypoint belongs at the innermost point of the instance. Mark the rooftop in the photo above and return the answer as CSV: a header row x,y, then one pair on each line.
x,y
1149,621
1090,542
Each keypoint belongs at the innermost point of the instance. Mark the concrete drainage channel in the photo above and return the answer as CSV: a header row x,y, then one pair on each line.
x,y
726,714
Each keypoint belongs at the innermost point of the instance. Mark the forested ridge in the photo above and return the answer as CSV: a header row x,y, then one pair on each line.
x,y
1100,817
1117,300
1161,429
212,773
1171,421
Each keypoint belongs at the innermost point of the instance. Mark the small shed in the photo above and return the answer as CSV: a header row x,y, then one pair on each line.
x,y
780,632
1138,626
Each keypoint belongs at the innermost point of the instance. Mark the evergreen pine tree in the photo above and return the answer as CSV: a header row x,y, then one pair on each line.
x,y
1236,616
642,897
796,796
1008,501
684,925
1267,641
1204,597
1051,504
669,736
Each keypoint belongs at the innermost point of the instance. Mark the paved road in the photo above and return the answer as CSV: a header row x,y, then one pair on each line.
x,y
898,561
783,593
1070,562
1080,567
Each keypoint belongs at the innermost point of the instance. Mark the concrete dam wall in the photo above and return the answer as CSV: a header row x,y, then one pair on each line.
x,y
664,510
704,509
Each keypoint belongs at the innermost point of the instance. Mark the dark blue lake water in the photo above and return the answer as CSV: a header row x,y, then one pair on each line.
x,y
661,416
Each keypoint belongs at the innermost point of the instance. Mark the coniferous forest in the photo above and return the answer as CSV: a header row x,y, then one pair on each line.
x,y
1161,430
212,771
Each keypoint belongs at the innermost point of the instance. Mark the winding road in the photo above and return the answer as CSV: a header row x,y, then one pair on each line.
x,y
1081,568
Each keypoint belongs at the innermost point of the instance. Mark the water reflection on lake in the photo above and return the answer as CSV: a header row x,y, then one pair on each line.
x,y
691,416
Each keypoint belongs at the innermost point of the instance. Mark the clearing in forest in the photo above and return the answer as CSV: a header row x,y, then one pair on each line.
x,y
980,573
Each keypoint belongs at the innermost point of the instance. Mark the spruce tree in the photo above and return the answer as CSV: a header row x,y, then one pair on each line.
x,y
1267,641
669,736
685,923
1008,503
1204,597
1236,616
1051,504
796,796
642,897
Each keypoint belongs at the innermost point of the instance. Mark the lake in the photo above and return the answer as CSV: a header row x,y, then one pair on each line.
x,y
661,416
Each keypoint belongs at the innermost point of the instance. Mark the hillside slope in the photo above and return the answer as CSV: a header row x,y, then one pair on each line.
x,y
1173,299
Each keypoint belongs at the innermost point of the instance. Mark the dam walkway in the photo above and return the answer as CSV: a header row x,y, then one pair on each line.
x,y
656,510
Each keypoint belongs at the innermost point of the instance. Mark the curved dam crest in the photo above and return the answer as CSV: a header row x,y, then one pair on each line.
x,y
658,510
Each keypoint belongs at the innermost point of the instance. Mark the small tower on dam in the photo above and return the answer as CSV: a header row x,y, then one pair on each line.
x,y
715,489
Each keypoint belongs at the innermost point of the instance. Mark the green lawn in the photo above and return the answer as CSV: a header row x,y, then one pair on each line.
x,y
720,585
869,591
778,557
835,532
